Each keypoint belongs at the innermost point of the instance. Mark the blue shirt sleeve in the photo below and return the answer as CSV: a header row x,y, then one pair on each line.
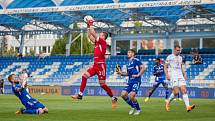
x,y
16,86
162,70
138,62
154,69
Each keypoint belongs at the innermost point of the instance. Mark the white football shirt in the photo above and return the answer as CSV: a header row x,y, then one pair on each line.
x,y
174,66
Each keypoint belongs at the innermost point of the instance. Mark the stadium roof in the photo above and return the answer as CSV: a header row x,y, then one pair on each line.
x,y
16,14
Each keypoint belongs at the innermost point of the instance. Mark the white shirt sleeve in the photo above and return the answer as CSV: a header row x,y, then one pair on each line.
x,y
167,60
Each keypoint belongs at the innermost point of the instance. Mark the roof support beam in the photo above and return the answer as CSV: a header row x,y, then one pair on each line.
x,y
68,43
175,35
44,20
21,47
107,6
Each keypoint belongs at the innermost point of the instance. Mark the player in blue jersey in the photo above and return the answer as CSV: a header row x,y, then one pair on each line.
x,y
2,86
134,71
159,79
32,106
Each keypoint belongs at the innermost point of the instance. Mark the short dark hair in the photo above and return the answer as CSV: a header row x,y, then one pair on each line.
x,y
158,59
10,77
132,50
177,46
105,34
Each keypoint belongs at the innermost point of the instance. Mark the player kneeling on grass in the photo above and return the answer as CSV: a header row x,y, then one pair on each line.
x,y
32,106
134,71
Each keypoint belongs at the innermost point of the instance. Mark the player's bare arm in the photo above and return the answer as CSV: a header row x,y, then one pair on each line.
x,y
123,73
142,69
119,71
92,39
184,73
90,29
92,32
166,71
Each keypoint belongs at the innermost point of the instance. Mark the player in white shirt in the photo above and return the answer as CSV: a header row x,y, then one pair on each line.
x,y
176,74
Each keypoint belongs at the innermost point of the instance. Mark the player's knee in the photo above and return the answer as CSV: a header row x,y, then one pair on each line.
x,y
124,95
184,91
40,111
45,110
85,76
132,95
102,82
175,92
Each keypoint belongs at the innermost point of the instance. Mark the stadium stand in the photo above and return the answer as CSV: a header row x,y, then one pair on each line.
x,y
57,70
52,70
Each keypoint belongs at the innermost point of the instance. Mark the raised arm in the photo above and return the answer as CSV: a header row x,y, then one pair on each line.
x,y
91,31
92,39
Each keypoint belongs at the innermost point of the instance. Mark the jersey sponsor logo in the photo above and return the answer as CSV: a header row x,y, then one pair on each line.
x,y
130,68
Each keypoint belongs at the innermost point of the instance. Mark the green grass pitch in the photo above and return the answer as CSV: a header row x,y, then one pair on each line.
x,y
63,108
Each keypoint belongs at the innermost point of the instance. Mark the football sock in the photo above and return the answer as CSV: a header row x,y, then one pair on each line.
x,y
186,100
83,84
128,100
107,89
136,105
152,91
167,94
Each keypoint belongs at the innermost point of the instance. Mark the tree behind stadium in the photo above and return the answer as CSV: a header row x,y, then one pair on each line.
x,y
60,45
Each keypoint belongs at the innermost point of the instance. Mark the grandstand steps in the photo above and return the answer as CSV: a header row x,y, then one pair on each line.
x,y
6,69
205,72
18,69
63,70
23,65
53,68
77,75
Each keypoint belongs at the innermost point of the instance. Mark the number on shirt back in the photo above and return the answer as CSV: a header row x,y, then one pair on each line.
x,y
28,96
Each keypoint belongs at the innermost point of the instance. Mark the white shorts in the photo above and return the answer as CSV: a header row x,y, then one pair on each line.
x,y
178,82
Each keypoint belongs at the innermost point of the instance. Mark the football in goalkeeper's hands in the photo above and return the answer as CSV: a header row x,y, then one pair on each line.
x,y
87,18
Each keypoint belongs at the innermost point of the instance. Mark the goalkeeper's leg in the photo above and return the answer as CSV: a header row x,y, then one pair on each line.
x,y
90,72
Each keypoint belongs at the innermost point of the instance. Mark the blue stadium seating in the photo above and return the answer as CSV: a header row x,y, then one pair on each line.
x,y
57,70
